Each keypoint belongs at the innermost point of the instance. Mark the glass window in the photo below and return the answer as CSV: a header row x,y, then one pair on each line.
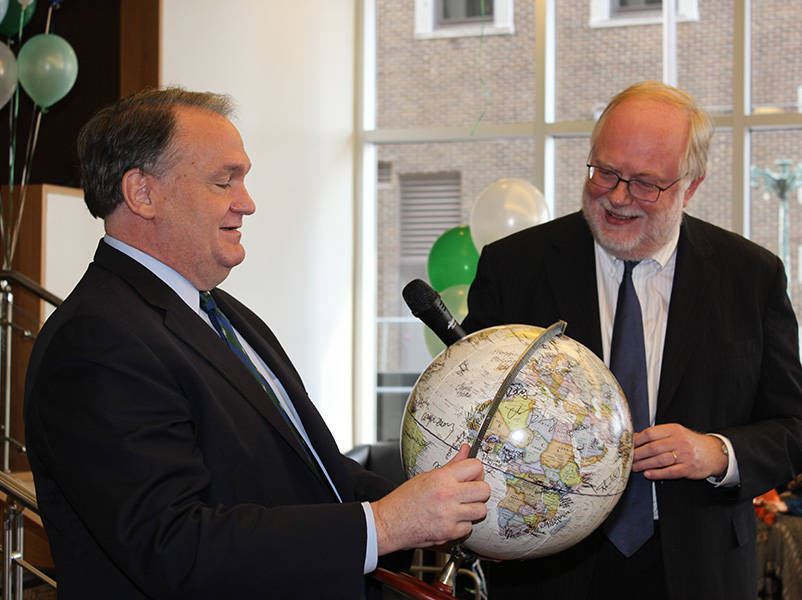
x,y
441,82
776,51
713,198
454,18
631,6
588,67
450,12
622,13
535,101
776,192
432,188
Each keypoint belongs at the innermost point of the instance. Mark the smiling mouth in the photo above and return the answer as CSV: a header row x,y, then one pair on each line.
x,y
619,217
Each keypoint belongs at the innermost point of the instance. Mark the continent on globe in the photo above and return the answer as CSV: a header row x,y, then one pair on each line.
x,y
556,443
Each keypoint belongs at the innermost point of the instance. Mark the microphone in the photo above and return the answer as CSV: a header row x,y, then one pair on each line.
x,y
427,305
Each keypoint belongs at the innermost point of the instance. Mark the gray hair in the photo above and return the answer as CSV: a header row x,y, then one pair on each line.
x,y
134,133
700,130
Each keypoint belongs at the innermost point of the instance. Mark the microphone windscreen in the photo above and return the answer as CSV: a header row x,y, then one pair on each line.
x,y
419,296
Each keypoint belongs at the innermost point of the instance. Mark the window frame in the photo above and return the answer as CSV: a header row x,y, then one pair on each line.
x,y
442,22
426,26
603,14
545,131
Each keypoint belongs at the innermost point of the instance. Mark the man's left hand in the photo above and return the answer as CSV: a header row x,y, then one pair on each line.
x,y
671,451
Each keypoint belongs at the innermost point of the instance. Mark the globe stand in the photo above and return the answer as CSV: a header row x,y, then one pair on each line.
x,y
441,589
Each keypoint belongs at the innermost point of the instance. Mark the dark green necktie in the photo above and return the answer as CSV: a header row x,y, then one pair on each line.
x,y
226,331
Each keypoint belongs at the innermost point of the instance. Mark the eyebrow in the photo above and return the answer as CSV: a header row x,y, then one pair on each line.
x,y
233,168
636,177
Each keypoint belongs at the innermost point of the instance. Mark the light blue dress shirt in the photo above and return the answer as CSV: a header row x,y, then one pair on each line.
x,y
191,296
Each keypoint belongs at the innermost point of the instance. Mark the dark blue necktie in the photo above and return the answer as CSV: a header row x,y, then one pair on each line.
x,y
631,523
226,331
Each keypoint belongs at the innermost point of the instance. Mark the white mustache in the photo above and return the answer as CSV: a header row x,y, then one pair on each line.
x,y
620,214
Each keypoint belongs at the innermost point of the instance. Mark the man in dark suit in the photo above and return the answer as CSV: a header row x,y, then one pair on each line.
x,y
174,449
722,370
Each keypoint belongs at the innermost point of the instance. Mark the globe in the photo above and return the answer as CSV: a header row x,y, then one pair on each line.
x,y
547,419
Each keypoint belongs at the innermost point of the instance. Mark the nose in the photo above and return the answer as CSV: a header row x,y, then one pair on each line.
x,y
619,195
243,203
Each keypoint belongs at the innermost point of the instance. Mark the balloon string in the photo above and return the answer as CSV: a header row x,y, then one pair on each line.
x,y
4,206
12,152
481,79
33,136
7,217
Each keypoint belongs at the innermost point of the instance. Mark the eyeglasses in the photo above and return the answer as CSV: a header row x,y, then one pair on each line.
x,y
640,190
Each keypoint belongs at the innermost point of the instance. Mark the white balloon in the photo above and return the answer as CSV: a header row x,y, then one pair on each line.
x,y
504,207
25,3
8,74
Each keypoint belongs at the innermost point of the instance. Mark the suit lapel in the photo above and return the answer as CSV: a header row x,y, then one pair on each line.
x,y
188,327
269,349
695,281
571,276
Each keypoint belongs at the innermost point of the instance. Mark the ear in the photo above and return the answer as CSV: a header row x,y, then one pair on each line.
x,y
692,190
136,192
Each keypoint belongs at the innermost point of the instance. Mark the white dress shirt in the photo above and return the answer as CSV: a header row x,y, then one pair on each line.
x,y
653,279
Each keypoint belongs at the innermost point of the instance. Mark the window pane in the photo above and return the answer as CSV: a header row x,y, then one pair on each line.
x,y
639,3
776,212
402,349
626,6
571,156
592,64
465,10
441,82
705,56
776,52
713,199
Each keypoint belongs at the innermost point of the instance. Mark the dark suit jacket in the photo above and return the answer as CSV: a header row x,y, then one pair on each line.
x,y
161,467
730,366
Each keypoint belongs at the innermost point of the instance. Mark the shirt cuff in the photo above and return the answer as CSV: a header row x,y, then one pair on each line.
x,y
732,476
372,546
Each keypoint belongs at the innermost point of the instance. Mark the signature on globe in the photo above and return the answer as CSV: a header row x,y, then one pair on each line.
x,y
557,448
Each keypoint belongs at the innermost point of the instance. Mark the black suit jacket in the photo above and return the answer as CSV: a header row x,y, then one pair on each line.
x,y
163,470
730,366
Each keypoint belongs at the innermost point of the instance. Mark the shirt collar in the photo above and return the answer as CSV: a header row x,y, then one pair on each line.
x,y
661,258
174,280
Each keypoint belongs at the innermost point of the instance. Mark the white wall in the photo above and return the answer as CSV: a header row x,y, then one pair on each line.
x,y
290,66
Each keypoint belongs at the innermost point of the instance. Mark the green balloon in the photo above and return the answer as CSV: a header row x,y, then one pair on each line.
x,y
456,300
47,68
452,259
10,24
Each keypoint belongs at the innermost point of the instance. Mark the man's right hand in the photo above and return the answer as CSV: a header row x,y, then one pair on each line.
x,y
433,508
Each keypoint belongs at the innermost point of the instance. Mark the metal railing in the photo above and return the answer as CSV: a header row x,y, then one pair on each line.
x,y
18,499
9,280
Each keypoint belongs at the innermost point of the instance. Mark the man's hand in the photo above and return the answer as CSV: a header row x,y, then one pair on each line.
x,y
671,451
433,508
